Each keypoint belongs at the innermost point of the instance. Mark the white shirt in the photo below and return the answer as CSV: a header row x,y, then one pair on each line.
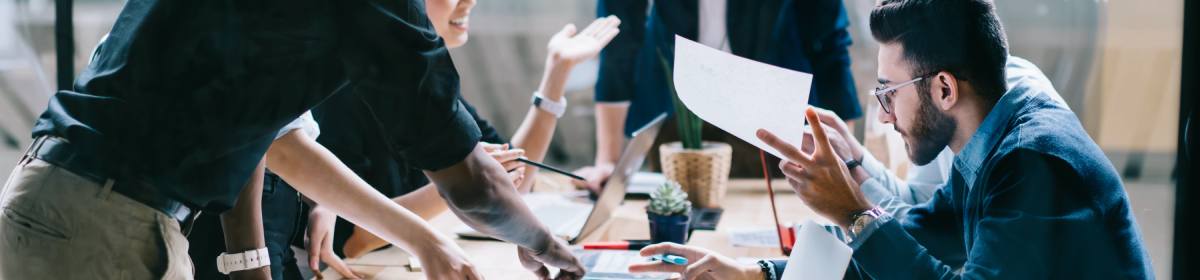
x,y
305,122
713,31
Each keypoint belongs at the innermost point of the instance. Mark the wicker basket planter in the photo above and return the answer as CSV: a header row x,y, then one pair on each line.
x,y
704,173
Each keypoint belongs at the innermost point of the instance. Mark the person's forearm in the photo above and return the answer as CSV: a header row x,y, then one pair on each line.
x,y
535,132
243,227
315,172
480,193
883,188
610,131
425,202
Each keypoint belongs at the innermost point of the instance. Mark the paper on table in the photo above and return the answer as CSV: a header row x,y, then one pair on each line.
x,y
817,255
614,265
754,237
740,95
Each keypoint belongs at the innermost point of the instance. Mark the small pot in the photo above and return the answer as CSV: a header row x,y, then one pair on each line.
x,y
668,228
703,173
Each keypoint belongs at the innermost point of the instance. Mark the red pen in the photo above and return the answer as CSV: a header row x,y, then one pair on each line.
x,y
616,245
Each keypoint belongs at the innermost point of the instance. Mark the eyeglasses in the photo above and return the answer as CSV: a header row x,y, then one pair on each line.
x,y
885,100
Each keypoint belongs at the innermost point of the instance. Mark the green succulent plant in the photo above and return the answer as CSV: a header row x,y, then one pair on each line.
x,y
669,200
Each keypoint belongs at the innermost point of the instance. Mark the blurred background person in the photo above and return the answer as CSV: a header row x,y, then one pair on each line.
x,y
806,36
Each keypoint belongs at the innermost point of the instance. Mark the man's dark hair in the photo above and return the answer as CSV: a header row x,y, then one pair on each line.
x,y
962,37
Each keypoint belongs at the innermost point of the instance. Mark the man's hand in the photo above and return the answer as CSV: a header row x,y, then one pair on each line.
x,y
704,264
443,259
318,240
568,48
821,179
839,126
557,255
507,158
595,175
840,145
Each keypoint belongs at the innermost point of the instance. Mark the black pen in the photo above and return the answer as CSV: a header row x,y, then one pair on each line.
x,y
547,167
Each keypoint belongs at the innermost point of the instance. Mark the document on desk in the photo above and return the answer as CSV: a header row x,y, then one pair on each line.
x,y
614,265
754,237
740,95
817,255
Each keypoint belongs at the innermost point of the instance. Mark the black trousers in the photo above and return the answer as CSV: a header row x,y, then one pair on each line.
x,y
281,212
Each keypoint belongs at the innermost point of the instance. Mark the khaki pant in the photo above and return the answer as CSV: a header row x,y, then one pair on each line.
x,y
58,225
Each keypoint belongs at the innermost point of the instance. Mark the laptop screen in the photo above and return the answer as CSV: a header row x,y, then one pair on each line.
x,y
631,160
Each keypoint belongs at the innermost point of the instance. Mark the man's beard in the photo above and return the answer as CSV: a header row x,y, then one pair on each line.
x,y
931,131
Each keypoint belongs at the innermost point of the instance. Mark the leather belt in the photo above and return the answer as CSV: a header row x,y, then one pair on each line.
x,y
58,151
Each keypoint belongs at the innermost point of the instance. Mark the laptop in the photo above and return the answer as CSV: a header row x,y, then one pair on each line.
x,y
570,219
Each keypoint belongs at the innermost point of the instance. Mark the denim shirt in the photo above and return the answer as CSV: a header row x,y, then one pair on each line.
x,y
896,196
1030,196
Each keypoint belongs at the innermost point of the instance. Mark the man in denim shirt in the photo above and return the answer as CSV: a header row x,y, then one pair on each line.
x,y
1029,195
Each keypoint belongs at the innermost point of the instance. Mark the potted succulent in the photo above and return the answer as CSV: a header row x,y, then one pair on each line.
x,y
700,167
669,214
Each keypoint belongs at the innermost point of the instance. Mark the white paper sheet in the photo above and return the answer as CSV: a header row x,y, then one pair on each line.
x,y
645,182
617,261
740,95
817,255
754,237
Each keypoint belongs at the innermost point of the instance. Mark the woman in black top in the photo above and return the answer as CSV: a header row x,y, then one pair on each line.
x,y
352,137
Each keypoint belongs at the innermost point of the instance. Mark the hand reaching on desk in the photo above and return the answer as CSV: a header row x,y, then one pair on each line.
x,y
558,254
595,175
821,179
704,264
318,240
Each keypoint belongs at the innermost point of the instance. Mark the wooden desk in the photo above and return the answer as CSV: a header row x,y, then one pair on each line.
x,y
746,205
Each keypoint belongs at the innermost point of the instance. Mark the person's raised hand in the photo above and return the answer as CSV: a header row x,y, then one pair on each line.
x,y
820,179
558,254
836,141
703,264
508,158
571,48
319,242
596,176
839,126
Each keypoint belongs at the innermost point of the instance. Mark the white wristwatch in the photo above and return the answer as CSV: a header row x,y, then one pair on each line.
x,y
550,106
247,260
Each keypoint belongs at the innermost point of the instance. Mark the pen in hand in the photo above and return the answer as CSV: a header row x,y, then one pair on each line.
x,y
555,170
669,259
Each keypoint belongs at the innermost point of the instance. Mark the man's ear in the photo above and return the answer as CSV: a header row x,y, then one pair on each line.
x,y
945,90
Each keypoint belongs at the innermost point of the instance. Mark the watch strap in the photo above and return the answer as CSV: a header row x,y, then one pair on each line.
x,y
768,269
247,260
558,108
852,163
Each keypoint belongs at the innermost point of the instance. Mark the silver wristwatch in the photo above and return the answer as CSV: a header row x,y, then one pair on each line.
x,y
860,221
550,106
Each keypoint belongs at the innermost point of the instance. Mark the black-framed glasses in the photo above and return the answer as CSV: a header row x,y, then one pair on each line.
x,y
885,100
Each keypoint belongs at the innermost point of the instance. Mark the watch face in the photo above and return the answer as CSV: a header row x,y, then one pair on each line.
x,y
861,223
